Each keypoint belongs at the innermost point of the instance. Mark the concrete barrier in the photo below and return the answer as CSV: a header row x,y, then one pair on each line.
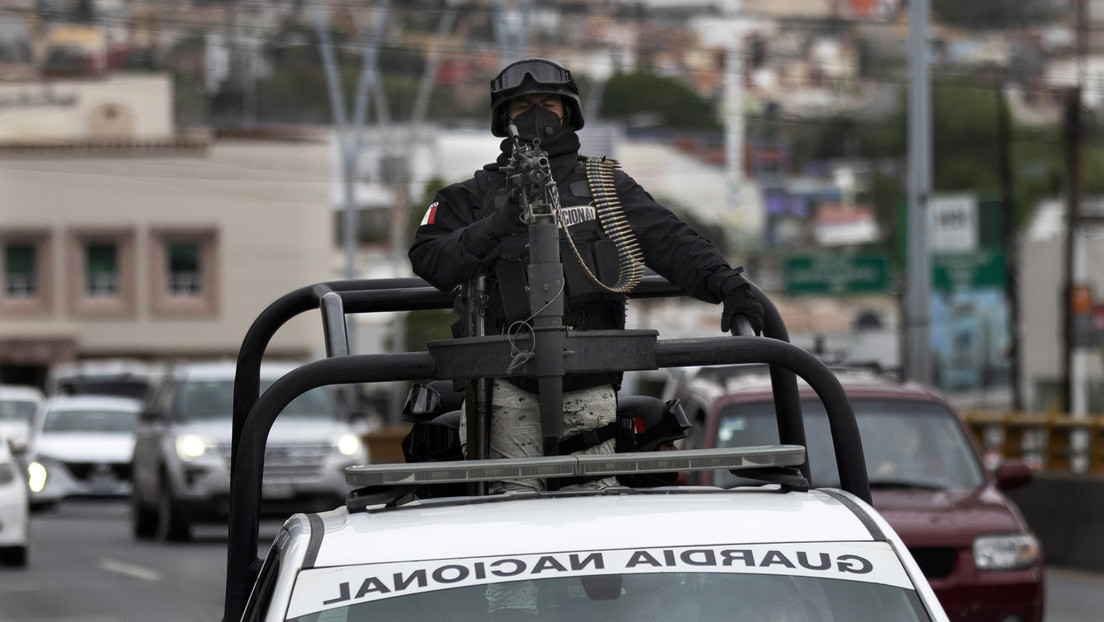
x,y
1066,512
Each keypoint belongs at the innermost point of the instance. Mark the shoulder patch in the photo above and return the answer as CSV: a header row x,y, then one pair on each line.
x,y
430,215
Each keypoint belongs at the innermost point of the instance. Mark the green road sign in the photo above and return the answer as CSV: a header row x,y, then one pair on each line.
x,y
970,270
836,275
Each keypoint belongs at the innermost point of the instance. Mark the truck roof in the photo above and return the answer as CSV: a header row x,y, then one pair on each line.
x,y
528,523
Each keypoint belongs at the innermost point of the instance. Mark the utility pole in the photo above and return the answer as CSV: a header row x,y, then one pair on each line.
x,y
1011,252
1073,213
917,301
400,237
733,119
511,46
349,134
1071,380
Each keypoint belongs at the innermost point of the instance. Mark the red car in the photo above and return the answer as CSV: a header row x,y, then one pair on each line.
x,y
926,475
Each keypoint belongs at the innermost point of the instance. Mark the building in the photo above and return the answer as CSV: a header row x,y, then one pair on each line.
x,y
1041,278
120,237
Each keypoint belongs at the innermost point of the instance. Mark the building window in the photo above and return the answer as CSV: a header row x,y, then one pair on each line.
x,y
101,277
102,268
184,271
26,267
183,263
20,266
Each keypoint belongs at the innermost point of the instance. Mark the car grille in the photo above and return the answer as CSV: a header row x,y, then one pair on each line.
x,y
290,463
85,471
936,563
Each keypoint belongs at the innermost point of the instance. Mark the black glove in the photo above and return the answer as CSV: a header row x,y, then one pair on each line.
x,y
506,221
739,300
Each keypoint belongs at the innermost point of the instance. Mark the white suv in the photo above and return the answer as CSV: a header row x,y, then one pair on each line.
x,y
182,452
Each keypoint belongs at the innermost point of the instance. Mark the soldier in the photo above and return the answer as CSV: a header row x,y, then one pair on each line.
x,y
476,227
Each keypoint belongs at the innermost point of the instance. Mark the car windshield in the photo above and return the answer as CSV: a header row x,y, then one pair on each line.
x,y
119,386
90,420
17,410
907,444
686,597
214,399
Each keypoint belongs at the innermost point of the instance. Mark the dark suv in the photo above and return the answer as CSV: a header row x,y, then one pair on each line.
x,y
182,452
926,475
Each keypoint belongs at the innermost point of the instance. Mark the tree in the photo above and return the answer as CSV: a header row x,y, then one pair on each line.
x,y
665,102
991,14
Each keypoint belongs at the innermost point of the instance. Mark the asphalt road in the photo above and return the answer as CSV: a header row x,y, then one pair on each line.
x,y
85,567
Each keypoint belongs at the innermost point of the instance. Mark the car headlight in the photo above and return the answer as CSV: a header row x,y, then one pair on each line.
x,y
1005,552
36,476
191,446
348,444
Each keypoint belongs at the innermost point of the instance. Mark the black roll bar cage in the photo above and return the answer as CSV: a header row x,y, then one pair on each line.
x,y
478,357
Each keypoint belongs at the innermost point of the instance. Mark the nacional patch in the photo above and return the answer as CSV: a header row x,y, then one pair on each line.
x,y
578,213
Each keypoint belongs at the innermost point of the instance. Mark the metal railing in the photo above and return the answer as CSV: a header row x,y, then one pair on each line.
x,y
1053,443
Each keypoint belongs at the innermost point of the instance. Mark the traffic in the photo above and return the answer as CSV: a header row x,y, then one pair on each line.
x,y
606,417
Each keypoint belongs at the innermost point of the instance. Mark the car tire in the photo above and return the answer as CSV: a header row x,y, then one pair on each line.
x,y
14,556
143,520
172,525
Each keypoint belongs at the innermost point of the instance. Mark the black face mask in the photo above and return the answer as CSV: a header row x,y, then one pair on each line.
x,y
539,123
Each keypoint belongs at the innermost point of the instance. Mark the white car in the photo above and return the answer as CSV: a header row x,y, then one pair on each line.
x,y
118,377
15,536
614,554
182,452
83,446
20,406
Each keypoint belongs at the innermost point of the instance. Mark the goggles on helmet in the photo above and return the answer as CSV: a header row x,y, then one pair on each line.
x,y
540,71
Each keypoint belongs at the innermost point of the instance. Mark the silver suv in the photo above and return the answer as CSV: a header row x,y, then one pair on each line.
x,y
182,452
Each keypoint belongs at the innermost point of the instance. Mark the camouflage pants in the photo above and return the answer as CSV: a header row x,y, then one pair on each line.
x,y
516,433
516,428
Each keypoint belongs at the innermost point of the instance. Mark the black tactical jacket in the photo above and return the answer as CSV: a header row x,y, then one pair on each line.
x,y
454,243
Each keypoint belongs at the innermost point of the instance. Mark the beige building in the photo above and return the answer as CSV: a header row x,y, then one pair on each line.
x,y
1041,277
143,243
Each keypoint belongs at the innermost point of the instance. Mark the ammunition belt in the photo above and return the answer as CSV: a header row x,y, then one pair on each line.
x,y
611,214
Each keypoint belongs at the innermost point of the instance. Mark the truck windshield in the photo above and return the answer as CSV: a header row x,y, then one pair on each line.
x,y
214,399
906,443
686,597
90,420
17,411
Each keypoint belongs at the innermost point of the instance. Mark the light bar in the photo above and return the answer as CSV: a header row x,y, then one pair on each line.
x,y
588,465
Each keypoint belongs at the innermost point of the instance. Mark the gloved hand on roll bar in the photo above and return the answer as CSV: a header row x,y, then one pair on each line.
x,y
739,300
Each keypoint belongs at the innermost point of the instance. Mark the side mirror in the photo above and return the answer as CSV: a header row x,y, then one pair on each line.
x,y
1013,474
149,416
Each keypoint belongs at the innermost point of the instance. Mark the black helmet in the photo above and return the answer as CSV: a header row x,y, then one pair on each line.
x,y
653,423
437,440
533,75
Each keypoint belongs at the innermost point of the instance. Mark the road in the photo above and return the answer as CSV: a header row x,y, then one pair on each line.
x,y
85,567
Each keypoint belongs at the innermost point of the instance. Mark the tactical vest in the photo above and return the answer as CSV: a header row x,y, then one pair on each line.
x,y
586,306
